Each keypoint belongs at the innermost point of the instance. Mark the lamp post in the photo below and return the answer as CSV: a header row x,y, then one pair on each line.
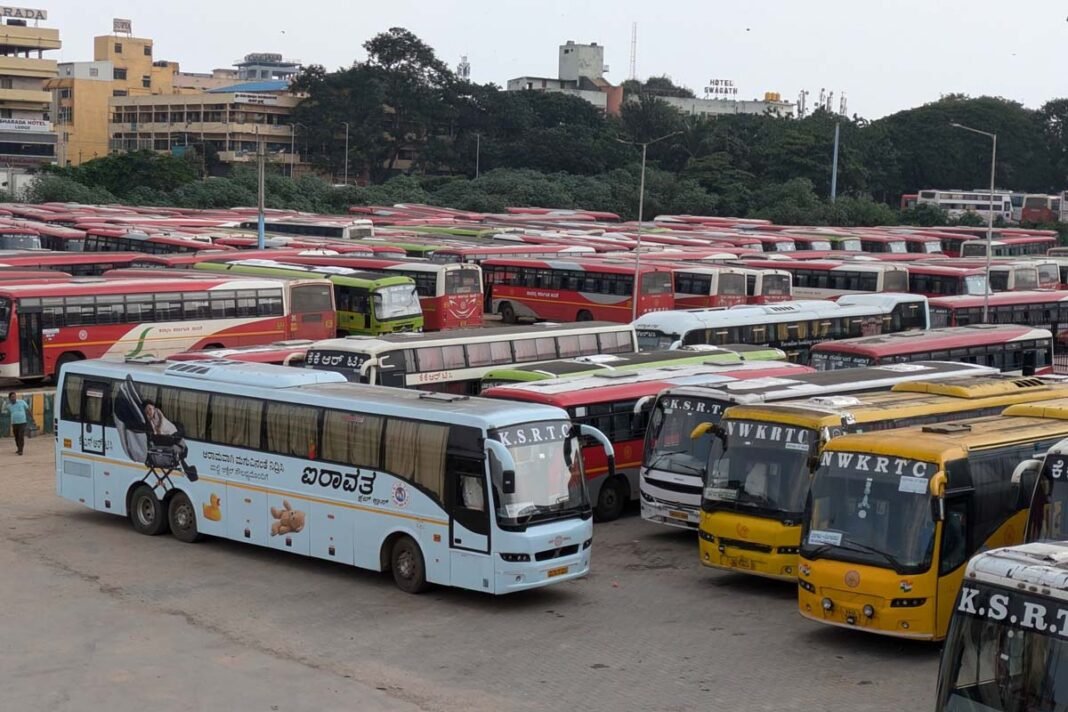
x,y
292,147
989,213
641,211
346,124
478,150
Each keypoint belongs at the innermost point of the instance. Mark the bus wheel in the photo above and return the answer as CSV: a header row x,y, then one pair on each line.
x,y
610,501
507,313
182,516
406,561
146,512
584,316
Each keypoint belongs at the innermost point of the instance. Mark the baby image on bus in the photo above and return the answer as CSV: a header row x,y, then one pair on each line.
x,y
148,436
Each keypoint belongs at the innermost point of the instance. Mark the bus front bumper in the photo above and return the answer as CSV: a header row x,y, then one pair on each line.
x,y
673,515
737,542
909,614
510,578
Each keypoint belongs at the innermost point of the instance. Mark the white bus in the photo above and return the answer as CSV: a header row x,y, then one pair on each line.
x,y
958,202
479,494
679,438
456,360
339,229
793,327
1007,647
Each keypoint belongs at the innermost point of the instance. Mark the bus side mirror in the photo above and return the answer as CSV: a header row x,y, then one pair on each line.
x,y
702,430
938,496
1023,480
1023,469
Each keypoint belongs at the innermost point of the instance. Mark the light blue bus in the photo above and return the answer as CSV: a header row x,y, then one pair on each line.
x,y
436,488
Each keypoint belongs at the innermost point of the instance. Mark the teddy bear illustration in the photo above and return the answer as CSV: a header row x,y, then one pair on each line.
x,y
289,519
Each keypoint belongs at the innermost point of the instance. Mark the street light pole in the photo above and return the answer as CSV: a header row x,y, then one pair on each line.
x,y
989,213
637,289
346,123
261,169
292,147
478,151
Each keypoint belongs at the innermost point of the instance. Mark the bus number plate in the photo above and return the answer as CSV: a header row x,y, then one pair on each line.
x,y
675,514
558,571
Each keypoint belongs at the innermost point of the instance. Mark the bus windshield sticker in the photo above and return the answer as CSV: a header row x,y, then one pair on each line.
x,y
792,438
802,447
913,485
817,537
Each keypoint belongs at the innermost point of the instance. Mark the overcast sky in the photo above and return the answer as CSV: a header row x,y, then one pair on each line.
x,y
886,55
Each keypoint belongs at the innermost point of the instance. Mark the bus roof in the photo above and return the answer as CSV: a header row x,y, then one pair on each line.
x,y
453,336
78,286
905,400
322,388
908,342
824,382
613,385
714,355
1055,409
270,268
1041,565
964,301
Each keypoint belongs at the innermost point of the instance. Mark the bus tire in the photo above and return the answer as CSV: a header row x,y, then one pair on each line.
x,y
584,315
63,360
406,563
611,500
507,313
182,518
147,514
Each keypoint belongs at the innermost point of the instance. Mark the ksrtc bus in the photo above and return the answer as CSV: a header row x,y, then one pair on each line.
x,y
762,458
1006,649
679,440
1009,246
821,279
1022,350
44,326
791,326
122,240
279,353
78,264
945,279
618,404
896,515
956,203
1042,309
341,229
456,360
484,495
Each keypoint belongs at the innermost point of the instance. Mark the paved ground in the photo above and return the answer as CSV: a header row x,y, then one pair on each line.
x,y
96,617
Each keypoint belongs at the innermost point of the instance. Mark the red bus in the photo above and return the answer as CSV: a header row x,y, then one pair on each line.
x,y
449,294
279,353
817,279
700,287
572,290
122,240
356,248
768,286
79,264
809,243
1009,246
893,244
37,275
1023,350
479,254
1038,208
1042,309
943,280
60,239
621,404
922,244
43,326
909,200
18,237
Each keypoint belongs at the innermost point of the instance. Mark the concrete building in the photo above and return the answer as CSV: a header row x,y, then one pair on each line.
x,y
27,137
231,120
80,97
712,107
197,82
580,72
261,66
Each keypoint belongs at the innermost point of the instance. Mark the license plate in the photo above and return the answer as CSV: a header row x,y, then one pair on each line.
x,y
558,571
679,515
744,564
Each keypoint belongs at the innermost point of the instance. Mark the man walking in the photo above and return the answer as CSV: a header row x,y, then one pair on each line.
x,y
18,410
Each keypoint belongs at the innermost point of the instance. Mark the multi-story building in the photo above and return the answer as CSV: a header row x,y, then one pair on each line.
x,y
80,97
580,73
27,138
262,66
772,103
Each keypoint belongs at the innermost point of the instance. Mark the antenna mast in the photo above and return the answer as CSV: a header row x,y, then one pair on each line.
x,y
634,50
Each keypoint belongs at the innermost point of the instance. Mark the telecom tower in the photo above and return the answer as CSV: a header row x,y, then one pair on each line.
x,y
634,50
463,69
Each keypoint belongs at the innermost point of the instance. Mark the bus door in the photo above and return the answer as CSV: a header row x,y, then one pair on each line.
x,y
31,344
469,524
312,312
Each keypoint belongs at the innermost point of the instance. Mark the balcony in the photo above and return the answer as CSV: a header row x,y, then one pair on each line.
x,y
23,38
31,68
10,97
213,127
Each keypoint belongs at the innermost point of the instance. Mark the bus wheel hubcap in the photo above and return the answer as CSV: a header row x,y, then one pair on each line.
x,y
146,512
404,565
182,516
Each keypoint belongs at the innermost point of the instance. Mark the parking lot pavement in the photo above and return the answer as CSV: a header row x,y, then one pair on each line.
x,y
98,617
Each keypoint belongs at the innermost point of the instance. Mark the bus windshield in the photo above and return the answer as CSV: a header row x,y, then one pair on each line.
x,y
20,242
896,281
549,481
5,317
649,340
776,285
732,284
763,468
871,509
832,361
1050,501
669,446
994,663
975,284
850,245
396,302
657,283
462,281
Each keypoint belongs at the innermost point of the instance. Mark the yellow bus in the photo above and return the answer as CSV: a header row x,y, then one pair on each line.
x,y
761,462
893,517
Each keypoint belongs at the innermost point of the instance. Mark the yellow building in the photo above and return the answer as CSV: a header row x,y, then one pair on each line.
x,y
27,138
134,70
80,107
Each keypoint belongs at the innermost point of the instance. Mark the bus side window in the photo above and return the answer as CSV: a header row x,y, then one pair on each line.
x,y
954,536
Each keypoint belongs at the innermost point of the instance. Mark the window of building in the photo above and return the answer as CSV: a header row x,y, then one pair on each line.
x,y
64,93
118,48
94,71
119,73
148,50
65,115
5,113
119,92
146,81
5,82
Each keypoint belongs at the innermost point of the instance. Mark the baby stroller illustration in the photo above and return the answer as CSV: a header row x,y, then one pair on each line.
x,y
148,436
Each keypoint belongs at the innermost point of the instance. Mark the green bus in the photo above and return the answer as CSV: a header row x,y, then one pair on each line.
x,y
627,363
367,302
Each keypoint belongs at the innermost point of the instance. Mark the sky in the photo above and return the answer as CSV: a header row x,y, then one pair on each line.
x,y
884,55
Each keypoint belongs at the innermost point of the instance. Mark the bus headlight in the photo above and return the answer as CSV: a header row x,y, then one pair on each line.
x,y
515,558
869,611
806,585
828,605
705,536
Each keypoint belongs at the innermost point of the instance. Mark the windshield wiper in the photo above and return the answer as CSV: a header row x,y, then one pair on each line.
x,y
669,453
872,550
